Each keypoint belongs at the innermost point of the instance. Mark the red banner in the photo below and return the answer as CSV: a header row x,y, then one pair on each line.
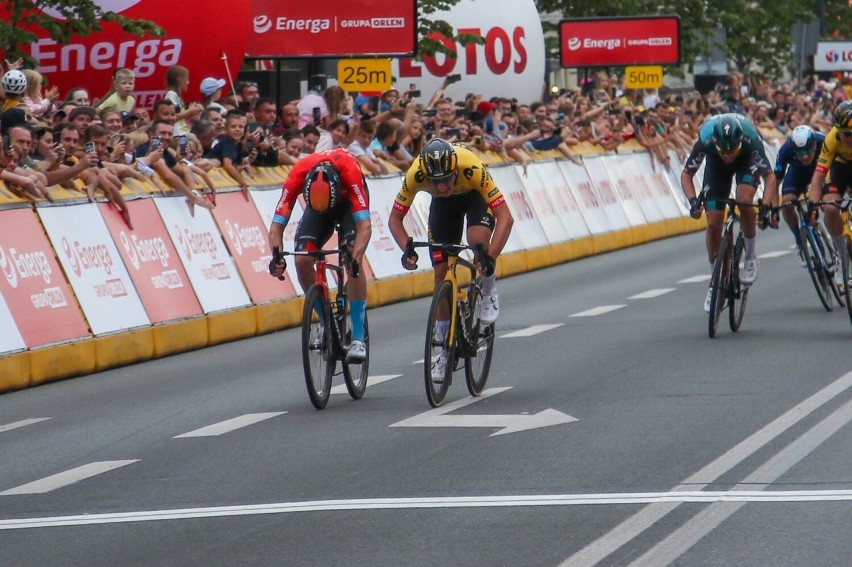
x,y
90,61
597,42
40,300
312,29
152,262
248,241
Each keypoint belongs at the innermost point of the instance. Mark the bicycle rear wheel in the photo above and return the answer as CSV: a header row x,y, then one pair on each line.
x,y
478,363
719,284
317,348
846,267
355,373
439,357
819,277
738,292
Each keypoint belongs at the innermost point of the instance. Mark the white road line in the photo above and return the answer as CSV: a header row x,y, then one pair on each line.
x,y
429,502
371,381
652,293
633,526
683,538
530,331
696,279
230,425
63,479
598,310
22,423
774,254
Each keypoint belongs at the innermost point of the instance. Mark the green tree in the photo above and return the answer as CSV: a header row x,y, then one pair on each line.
x,y
837,19
428,26
758,33
24,20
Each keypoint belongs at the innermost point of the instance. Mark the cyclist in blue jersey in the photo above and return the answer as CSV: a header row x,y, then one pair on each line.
x,y
795,165
734,150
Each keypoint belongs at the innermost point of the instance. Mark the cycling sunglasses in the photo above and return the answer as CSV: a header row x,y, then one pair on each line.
x,y
439,180
729,153
804,152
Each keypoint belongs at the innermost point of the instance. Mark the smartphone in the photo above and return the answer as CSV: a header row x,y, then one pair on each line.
x,y
450,132
90,147
254,125
413,94
57,137
462,112
182,141
430,112
374,103
250,144
453,78
7,145
155,143
317,112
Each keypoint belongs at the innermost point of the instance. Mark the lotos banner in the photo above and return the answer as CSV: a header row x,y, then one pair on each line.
x,y
90,61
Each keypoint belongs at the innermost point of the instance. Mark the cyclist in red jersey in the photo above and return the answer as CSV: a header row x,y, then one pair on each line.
x,y
335,191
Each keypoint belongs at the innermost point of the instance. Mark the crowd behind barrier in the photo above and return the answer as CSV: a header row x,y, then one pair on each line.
x,y
111,255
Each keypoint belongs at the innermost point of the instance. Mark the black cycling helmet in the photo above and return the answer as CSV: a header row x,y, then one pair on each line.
x,y
843,115
727,135
438,159
322,187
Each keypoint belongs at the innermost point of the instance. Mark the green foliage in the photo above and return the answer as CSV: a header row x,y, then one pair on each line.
x,y
25,21
838,19
427,25
758,33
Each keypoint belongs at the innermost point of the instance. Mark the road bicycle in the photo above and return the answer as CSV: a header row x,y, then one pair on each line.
x,y
845,255
819,255
727,290
325,329
467,340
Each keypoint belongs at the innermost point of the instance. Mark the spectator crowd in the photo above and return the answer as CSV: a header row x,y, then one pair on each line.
x,y
91,143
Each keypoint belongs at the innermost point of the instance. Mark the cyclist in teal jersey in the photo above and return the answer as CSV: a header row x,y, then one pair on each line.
x,y
734,150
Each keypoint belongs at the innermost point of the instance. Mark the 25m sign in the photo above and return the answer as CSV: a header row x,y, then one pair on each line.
x,y
596,42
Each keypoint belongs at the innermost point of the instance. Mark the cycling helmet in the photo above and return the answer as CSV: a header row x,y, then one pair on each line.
x,y
727,135
322,187
14,82
843,115
803,139
438,159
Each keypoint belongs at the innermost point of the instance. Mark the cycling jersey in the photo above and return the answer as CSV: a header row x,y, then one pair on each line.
x,y
833,149
353,189
473,176
787,158
752,146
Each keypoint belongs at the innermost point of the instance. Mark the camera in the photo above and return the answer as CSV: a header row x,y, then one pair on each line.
x,y
413,94
430,112
90,147
453,78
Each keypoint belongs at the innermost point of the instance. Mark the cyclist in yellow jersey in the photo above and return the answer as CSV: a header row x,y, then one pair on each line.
x,y
461,187
835,166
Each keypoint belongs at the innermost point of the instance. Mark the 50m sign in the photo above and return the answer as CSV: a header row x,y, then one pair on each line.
x,y
355,75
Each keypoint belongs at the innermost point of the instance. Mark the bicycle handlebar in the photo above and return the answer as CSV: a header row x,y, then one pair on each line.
x,y
354,266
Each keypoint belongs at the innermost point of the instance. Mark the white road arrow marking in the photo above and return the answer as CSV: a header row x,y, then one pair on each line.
x,y
371,381
509,423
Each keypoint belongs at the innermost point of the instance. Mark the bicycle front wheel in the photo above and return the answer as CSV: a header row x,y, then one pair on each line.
x,y
832,258
439,357
738,292
846,266
355,373
719,284
478,362
317,348
819,277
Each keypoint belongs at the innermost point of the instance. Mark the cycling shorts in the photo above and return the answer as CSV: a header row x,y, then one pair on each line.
x,y
718,176
447,216
315,228
797,180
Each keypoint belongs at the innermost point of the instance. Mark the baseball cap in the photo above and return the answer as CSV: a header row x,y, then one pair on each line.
x,y
11,118
485,107
86,110
210,85
128,116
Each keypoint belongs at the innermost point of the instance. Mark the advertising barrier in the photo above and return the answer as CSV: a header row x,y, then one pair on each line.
x,y
194,279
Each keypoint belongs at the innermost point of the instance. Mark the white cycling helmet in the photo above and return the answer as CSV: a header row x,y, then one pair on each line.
x,y
803,137
14,82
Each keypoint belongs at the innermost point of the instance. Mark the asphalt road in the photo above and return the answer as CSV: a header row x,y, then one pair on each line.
x,y
613,432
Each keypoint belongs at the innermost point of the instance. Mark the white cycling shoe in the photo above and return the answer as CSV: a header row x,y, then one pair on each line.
x,y
749,272
490,309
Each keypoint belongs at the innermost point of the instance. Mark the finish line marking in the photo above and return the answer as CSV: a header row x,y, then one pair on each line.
x,y
756,496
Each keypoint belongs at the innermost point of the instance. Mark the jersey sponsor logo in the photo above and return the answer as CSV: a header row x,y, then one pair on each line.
x,y
400,207
493,192
401,197
419,177
497,202
468,172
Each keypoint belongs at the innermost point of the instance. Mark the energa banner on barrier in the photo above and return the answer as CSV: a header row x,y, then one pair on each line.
x,y
33,286
94,267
